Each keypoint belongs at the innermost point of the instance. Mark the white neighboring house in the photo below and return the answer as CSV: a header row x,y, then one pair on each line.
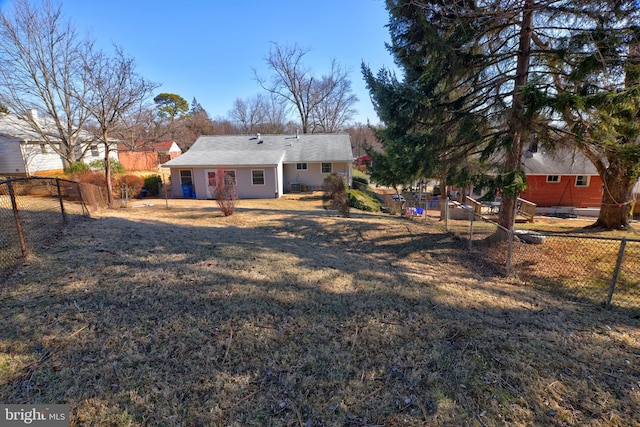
x,y
23,152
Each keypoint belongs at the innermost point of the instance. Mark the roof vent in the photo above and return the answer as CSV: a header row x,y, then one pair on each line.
x,y
297,135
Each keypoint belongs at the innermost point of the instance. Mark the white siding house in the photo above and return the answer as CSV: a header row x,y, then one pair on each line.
x,y
24,153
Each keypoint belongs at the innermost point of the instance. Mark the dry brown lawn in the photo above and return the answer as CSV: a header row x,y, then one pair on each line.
x,y
285,314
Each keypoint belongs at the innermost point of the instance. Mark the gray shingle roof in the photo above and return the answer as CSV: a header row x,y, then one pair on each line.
x,y
560,162
14,126
268,150
17,127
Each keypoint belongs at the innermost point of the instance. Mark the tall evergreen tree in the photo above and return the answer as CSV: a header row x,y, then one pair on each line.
x,y
597,87
195,107
477,76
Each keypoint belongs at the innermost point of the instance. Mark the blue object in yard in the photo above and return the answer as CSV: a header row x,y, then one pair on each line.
x,y
186,190
419,211
143,192
433,203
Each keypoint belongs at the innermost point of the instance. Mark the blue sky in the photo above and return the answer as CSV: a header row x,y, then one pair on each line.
x,y
207,49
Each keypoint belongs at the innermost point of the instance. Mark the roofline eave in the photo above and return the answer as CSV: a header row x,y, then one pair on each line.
x,y
209,166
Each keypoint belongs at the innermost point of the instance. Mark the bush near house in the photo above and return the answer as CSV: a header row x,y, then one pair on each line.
x,y
116,166
95,178
131,184
395,207
225,193
77,167
335,194
153,183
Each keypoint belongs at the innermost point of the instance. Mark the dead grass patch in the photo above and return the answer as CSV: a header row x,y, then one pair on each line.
x,y
286,314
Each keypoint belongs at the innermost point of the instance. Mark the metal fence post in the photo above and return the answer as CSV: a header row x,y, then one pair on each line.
x,y
64,214
16,217
509,251
616,271
473,214
446,210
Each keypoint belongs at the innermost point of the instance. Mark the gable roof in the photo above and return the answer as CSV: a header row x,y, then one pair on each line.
x,y
160,147
559,162
166,146
265,150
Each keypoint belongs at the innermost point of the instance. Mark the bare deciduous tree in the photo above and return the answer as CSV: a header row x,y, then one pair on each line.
x,y
295,83
138,126
115,89
362,138
336,108
247,114
276,116
264,114
42,69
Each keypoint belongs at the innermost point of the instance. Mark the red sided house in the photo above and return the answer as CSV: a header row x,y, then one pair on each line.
x,y
562,178
147,155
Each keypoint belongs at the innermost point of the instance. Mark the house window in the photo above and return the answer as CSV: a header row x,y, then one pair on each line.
x,y
44,149
94,150
582,181
301,166
185,177
230,177
211,178
327,168
553,178
257,177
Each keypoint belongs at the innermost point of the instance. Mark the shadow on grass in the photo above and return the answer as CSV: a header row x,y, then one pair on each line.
x,y
301,318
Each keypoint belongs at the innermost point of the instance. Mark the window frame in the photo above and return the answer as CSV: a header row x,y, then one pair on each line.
x,y
183,176
302,166
587,181
550,179
322,167
95,150
211,178
232,173
253,177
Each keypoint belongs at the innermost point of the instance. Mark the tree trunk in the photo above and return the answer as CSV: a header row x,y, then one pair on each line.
x,y
107,170
518,128
619,176
65,163
507,213
617,197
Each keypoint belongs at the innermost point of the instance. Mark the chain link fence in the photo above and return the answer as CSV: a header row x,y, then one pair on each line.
x,y
592,269
34,211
